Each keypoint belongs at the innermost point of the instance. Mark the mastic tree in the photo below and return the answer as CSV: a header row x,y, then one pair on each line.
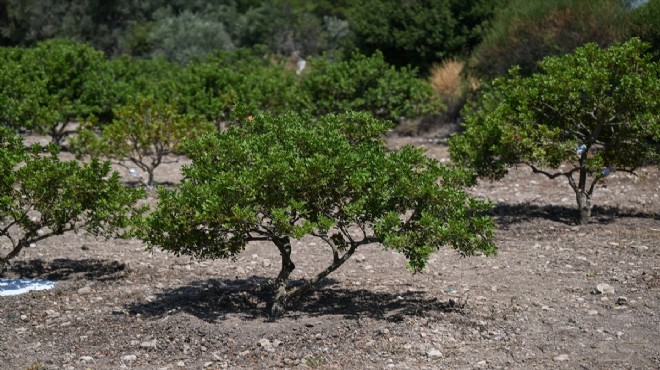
x,y
42,196
143,133
278,178
366,83
19,91
595,110
74,82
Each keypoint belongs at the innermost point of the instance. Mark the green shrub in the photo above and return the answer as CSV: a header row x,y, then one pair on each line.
x,y
41,196
362,83
419,32
214,86
523,32
76,82
278,178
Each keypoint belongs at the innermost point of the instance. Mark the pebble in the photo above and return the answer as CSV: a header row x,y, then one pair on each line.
x,y
622,301
149,344
86,359
85,290
129,358
240,270
266,263
603,289
360,258
592,312
563,357
181,364
433,353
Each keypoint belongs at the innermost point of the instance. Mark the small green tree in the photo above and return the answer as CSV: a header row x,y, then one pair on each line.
x,y
596,109
74,83
143,133
41,196
278,178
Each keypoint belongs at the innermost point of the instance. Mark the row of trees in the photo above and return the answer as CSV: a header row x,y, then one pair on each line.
x,y
149,106
269,178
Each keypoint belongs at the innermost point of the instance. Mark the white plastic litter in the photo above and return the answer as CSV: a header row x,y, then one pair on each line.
x,y
20,286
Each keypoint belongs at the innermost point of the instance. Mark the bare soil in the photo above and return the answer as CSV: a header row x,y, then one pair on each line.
x,y
532,306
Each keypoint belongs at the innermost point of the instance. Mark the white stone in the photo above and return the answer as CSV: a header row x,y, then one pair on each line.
x,y
603,289
563,357
433,353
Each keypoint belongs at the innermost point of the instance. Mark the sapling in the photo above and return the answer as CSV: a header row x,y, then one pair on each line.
x,y
143,133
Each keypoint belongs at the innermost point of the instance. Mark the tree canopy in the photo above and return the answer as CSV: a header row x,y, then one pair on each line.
x,y
597,110
278,178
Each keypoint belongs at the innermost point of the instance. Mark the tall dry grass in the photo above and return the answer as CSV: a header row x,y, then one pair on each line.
x,y
452,85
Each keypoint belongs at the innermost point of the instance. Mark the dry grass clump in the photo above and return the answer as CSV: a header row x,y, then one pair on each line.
x,y
452,85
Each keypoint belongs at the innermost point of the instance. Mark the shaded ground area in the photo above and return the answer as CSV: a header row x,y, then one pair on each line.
x,y
531,306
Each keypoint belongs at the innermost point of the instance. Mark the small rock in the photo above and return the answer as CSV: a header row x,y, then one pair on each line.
x,y
240,270
149,344
384,331
563,357
433,353
265,263
129,358
24,318
621,301
207,364
277,343
86,359
85,290
263,342
619,334
603,289
52,314
592,312
360,258
181,364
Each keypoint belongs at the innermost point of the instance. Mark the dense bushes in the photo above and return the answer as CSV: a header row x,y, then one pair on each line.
x,y
523,32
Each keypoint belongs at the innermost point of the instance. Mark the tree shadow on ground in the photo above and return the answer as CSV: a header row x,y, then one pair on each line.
x,y
214,299
510,214
64,269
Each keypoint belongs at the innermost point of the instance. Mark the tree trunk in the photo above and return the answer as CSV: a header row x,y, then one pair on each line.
x,y
281,293
4,261
584,207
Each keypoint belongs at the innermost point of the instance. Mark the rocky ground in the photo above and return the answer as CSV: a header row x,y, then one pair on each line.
x,y
556,296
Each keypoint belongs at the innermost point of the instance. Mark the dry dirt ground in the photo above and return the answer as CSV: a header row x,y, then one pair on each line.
x,y
532,306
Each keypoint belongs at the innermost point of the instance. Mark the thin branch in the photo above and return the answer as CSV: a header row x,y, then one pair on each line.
x,y
551,176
